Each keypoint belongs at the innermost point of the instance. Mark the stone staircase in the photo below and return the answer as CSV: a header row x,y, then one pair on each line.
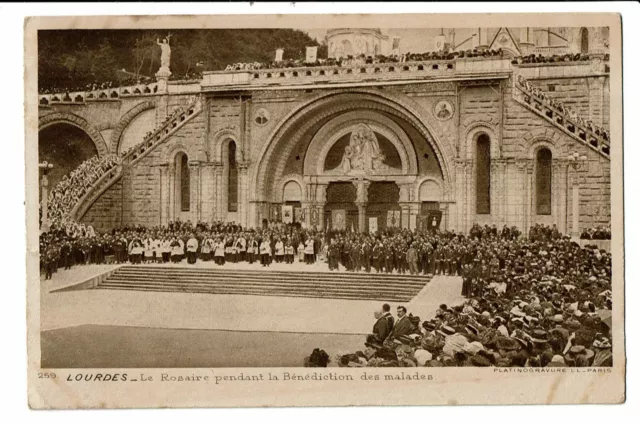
x,y
575,128
133,156
329,285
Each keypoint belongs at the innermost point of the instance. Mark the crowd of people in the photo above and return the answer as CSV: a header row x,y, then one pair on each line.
x,y
565,110
534,301
545,302
66,194
599,232
362,59
104,85
556,58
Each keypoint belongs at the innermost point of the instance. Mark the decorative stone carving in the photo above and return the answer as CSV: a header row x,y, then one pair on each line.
x,y
363,154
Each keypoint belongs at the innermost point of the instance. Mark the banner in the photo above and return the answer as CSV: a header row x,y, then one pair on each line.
x,y
393,219
373,224
396,44
338,219
287,214
312,54
440,42
279,53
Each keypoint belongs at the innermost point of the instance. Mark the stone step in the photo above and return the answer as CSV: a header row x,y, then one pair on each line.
x,y
387,287
391,281
322,294
300,285
150,270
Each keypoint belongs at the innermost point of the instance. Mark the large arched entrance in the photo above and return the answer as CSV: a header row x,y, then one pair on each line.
x,y
359,155
66,147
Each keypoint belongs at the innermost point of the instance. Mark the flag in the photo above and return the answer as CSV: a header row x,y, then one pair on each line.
x,y
312,54
279,54
440,40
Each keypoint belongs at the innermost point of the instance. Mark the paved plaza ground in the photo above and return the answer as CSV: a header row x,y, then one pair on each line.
x,y
118,328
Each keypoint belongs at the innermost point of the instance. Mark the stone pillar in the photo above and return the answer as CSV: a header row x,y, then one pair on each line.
x,y
483,43
171,203
44,184
575,205
208,192
362,198
404,203
523,184
243,189
321,201
307,208
529,206
164,194
219,211
362,215
559,194
195,186
471,198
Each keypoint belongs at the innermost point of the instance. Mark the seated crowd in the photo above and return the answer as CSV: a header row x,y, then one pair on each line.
x,y
545,302
66,194
565,110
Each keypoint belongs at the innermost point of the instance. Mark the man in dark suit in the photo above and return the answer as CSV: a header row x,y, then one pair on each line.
x,y
384,323
403,326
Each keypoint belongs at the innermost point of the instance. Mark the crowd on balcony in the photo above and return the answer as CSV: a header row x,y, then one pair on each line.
x,y
362,59
598,232
556,58
546,303
566,111
66,194
104,85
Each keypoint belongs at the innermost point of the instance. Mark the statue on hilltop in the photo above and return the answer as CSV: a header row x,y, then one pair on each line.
x,y
165,57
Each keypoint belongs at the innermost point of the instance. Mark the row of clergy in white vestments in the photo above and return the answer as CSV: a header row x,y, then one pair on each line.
x,y
176,247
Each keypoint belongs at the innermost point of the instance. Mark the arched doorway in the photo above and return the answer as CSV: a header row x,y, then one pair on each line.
x,y
65,146
383,206
340,210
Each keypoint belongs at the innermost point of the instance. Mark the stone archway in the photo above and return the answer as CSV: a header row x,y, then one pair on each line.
x,y
285,136
124,122
79,122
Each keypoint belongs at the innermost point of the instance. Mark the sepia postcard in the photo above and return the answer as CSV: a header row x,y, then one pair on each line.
x,y
218,204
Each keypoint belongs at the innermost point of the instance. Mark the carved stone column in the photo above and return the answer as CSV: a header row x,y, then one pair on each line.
x,y
362,199
321,201
164,194
559,194
171,203
219,211
194,186
522,165
243,199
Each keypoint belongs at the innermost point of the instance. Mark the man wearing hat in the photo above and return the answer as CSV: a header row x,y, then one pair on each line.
x,y
603,356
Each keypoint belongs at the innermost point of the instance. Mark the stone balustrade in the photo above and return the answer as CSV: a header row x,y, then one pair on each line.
x,y
355,72
572,126
79,97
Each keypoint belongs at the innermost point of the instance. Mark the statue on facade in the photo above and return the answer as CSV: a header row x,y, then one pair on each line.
x,y
363,152
165,57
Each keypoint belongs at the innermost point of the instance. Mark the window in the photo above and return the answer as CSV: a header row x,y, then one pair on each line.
x,y
543,182
584,41
483,175
185,194
232,186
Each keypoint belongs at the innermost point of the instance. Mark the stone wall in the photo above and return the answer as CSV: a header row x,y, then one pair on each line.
x,y
106,212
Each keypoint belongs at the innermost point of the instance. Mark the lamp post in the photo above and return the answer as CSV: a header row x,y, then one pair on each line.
x,y
44,183
575,161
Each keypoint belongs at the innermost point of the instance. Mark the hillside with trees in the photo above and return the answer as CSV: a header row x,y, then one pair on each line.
x,y
80,57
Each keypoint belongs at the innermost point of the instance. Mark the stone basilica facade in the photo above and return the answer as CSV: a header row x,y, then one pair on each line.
x,y
361,147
